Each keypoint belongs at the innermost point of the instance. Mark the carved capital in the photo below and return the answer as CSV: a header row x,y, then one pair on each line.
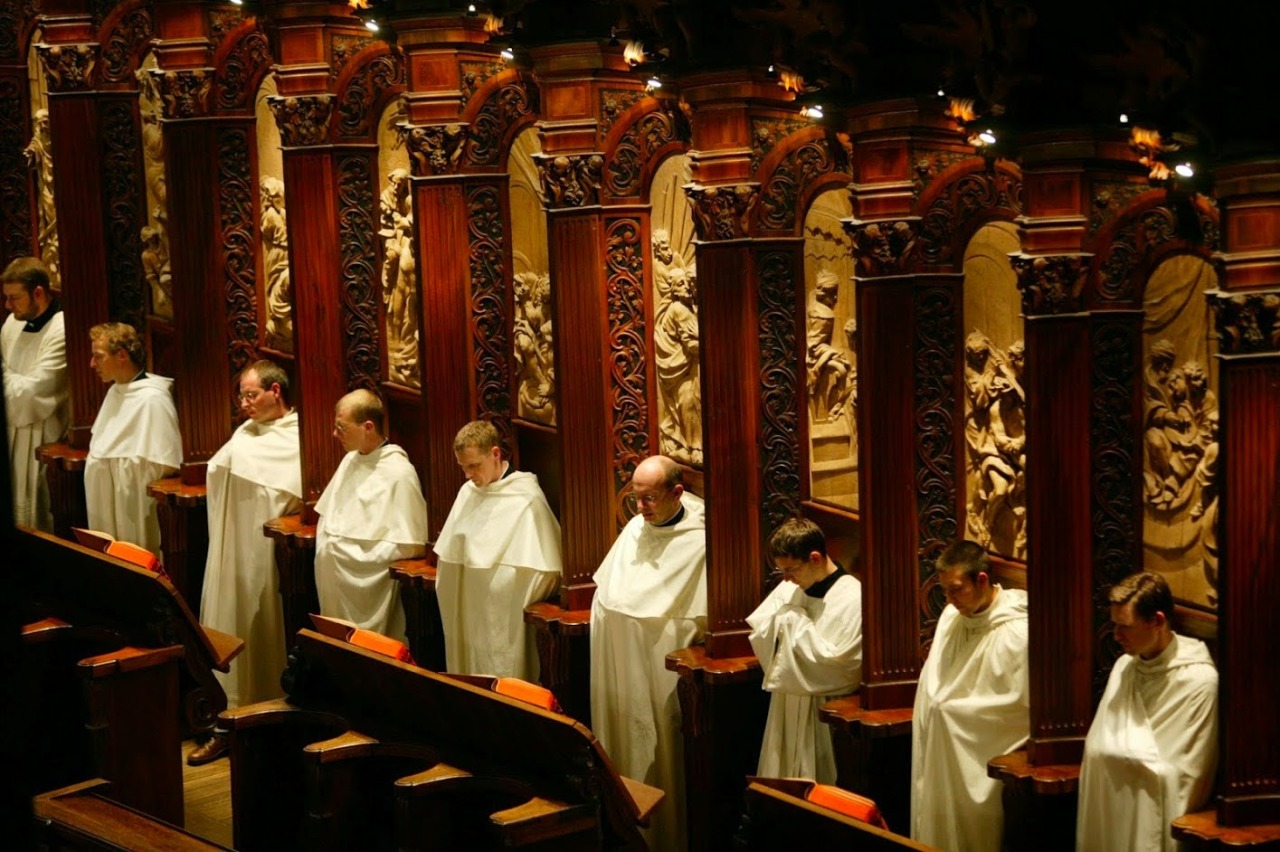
x,y
883,247
570,180
303,120
184,93
67,66
434,149
722,212
1051,284
1247,322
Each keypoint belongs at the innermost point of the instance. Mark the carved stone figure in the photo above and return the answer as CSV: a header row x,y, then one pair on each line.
x,y
275,266
39,156
155,267
1206,509
1170,443
399,293
995,437
831,370
675,349
155,235
533,344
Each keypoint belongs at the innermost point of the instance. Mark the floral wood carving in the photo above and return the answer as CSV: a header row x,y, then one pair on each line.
x,y
303,120
341,50
364,91
434,149
936,342
779,195
1117,525
570,180
930,164
185,93
474,74
613,103
124,204
970,199
1110,198
628,366
15,180
359,292
1130,247
490,348
504,107
1246,322
67,66
722,212
236,215
883,248
241,67
637,147
223,21
1051,284
124,44
766,133
780,379
13,16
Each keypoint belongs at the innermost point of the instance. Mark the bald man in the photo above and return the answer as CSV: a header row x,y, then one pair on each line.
x,y
371,514
651,599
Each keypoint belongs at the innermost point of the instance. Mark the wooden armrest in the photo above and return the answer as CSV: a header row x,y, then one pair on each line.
x,y
274,712
646,798
129,659
1203,826
81,812
1048,780
348,745
43,629
542,819
441,776
847,712
225,647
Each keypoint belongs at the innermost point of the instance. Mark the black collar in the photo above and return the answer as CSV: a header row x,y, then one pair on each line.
x,y
41,321
674,519
820,588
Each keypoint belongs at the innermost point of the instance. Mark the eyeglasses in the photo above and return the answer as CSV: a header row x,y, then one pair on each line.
x,y
633,501
251,395
341,428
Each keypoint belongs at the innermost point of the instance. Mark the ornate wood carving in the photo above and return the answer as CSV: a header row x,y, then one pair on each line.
x,y
885,247
14,15
628,366
124,205
766,133
124,44
357,230
1131,246
1051,284
343,48
799,168
357,114
434,149
936,342
1117,463
779,380
185,93
931,164
474,74
1110,198
1247,322
723,212
490,346
967,202
236,214
303,120
613,103
625,165
67,67
241,67
222,21
503,108
570,180
15,179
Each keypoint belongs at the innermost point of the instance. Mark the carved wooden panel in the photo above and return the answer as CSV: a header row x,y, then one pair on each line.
x,y
766,133
779,383
244,63
638,148
628,364
123,203
787,183
123,45
955,209
15,177
507,105
489,301
1131,245
359,289
14,16
358,103
237,226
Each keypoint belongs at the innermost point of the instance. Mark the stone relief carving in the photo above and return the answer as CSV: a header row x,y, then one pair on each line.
x,y
676,351
275,266
399,293
832,375
155,234
996,440
532,337
39,156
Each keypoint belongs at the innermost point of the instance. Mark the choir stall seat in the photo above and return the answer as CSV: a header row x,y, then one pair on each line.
x,y
785,811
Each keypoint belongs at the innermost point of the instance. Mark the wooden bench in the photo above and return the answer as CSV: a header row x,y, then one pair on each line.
x,y
83,816
778,815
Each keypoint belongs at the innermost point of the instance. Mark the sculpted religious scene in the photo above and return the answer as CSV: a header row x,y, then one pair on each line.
x,y
621,426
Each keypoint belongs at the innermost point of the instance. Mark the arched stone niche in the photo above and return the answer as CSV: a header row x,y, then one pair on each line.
x,y
995,502
831,366
1180,431
532,337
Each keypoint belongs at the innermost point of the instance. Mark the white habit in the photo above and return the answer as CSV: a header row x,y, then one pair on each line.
x,y
498,552
650,600
971,705
35,400
1151,750
253,478
135,441
810,649
371,514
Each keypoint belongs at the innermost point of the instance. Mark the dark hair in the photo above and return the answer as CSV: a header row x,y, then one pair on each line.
x,y
27,271
120,336
269,373
1148,592
797,537
967,556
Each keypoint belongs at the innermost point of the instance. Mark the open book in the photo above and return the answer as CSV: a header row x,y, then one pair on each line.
x,y
125,551
352,634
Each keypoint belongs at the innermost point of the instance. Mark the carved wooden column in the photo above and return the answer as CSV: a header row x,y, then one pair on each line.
x,y
1247,315
17,188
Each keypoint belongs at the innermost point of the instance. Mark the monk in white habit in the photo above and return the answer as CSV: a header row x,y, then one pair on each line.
x,y
807,635
371,514
135,438
255,477
650,600
33,354
971,705
1153,745
498,552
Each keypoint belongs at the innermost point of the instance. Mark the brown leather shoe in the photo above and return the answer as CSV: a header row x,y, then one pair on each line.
x,y
209,750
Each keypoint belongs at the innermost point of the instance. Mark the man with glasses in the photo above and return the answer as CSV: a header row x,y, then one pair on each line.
x,y
255,477
498,552
650,600
371,514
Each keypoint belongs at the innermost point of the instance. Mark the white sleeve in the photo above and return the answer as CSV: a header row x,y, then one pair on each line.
x,y
35,396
